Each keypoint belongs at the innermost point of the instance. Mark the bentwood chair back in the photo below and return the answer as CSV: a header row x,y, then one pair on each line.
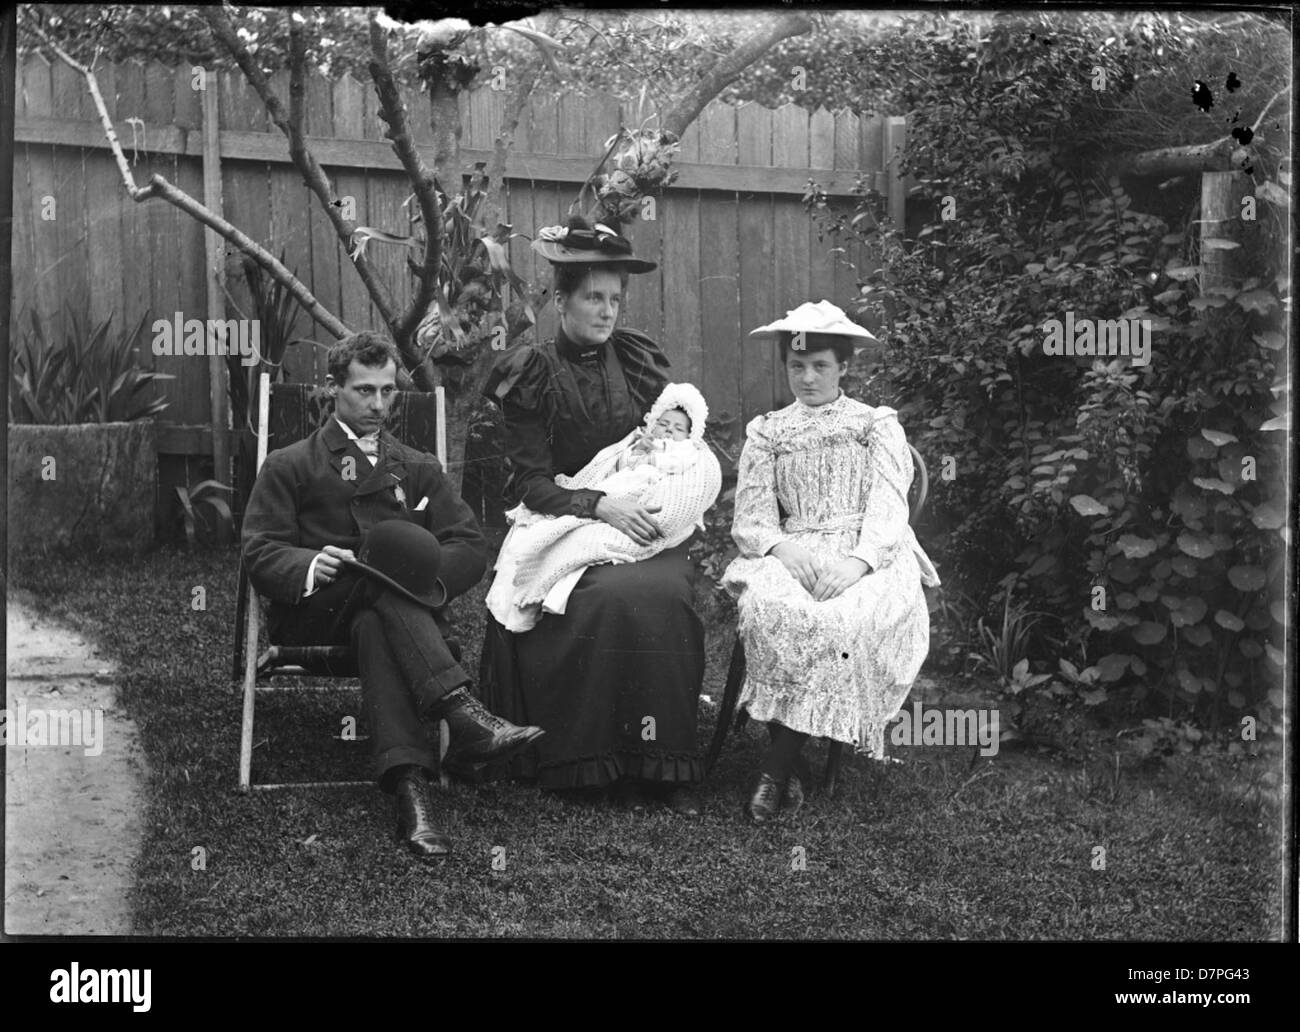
x,y
289,412
727,715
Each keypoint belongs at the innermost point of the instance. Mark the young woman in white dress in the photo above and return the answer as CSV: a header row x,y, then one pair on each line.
x,y
829,578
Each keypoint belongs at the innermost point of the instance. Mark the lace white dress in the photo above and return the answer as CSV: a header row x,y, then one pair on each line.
x,y
833,478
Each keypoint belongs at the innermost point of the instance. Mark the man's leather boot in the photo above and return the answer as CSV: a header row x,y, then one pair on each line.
x,y
415,817
477,736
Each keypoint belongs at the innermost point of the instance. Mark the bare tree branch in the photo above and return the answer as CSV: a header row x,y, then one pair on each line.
x,y
493,207
545,44
392,111
582,190
728,70
1171,161
491,212
291,124
159,187
297,88
1272,100
1215,156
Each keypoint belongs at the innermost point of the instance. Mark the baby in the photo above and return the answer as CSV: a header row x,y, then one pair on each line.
x,y
665,464
650,455
673,424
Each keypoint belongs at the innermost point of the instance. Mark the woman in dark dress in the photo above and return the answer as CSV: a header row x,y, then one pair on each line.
x,y
615,680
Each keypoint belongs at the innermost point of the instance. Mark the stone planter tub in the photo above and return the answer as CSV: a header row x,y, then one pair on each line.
x,y
84,488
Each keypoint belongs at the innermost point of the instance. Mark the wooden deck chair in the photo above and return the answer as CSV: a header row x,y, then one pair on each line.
x,y
736,669
289,413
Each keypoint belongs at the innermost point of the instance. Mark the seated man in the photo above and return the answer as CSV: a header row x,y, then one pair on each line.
x,y
312,509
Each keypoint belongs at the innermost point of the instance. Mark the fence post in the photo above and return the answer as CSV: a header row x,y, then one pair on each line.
x,y
8,84
1221,228
215,262
895,141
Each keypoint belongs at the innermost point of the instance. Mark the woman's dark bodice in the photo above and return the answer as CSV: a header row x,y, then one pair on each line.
x,y
562,405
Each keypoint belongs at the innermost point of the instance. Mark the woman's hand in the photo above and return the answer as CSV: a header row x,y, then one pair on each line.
x,y
631,518
799,561
838,578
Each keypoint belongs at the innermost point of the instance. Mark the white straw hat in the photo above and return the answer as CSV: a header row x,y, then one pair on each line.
x,y
816,317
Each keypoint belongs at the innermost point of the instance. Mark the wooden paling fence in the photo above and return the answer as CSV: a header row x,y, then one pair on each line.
x,y
735,245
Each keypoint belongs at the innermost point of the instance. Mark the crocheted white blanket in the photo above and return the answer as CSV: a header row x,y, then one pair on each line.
x,y
543,557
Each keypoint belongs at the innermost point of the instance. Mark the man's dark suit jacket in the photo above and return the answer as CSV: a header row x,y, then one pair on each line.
x,y
302,501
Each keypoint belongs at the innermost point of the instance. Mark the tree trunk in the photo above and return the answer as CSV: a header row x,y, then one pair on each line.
x,y
444,120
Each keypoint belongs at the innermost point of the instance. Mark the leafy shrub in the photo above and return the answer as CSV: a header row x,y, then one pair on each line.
x,y
1137,505
714,549
1190,540
278,313
220,527
1004,650
952,629
82,376
641,161
479,299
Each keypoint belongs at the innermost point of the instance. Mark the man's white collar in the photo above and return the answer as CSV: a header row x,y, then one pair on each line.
x,y
352,436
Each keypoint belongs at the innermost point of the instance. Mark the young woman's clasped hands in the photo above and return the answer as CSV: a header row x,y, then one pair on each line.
x,y
823,581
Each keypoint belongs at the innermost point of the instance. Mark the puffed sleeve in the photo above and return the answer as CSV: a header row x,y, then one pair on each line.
x,y
644,365
884,523
756,528
518,383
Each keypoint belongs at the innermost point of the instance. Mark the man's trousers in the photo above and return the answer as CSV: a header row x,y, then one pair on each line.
x,y
402,656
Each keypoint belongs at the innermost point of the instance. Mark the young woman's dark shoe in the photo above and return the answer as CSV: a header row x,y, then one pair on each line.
x,y
794,795
765,803
681,799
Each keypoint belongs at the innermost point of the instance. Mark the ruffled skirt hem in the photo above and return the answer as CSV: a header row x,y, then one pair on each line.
x,y
606,769
596,771
865,734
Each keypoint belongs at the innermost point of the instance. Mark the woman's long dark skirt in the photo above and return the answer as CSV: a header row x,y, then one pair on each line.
x,y
615,682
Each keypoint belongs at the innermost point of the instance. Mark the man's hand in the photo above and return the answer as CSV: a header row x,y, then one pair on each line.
x,y
799,561
631,518
838,578
330,564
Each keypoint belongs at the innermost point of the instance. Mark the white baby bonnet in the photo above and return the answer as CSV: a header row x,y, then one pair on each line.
x,y
685,396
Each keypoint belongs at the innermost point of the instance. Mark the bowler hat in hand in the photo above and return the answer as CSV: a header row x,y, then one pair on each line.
x,y
404,557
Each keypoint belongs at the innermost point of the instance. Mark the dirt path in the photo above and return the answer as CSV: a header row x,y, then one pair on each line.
x,y
72,808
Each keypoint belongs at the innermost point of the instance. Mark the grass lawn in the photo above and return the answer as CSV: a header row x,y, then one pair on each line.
x,y
932,847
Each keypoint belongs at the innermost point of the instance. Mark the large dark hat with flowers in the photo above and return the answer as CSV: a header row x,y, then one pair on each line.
x,y
583,243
